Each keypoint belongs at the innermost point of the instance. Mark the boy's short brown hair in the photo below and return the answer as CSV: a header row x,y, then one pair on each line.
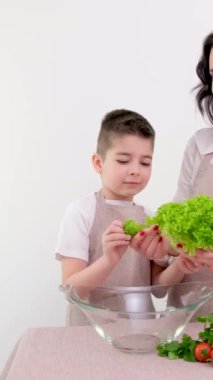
x,y
122,122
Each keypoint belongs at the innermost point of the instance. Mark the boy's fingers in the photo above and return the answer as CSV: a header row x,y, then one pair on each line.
x,y
116,236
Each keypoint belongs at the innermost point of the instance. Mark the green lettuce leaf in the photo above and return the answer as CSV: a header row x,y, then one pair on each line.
x,y
189,223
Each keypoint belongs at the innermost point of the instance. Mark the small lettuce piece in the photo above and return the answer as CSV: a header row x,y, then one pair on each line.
x,y
131,227
189,223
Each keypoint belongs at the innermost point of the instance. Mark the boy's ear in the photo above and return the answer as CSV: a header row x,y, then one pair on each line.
x,y
97,162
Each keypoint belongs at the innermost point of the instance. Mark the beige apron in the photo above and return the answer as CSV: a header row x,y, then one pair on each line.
x,y
203,184
133,268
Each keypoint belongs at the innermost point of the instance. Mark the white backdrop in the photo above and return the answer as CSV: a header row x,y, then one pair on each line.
x,y
63,65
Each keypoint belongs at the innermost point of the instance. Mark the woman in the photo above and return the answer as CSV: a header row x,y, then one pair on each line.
x,y
196,176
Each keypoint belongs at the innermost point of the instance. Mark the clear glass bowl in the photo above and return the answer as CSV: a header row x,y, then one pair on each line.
x,y
136,319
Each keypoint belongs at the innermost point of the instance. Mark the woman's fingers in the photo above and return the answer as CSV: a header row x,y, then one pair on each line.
x,y
150,243
205,257
153,248
202,258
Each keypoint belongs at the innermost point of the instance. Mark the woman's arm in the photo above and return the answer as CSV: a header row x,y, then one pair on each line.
x,y
189,162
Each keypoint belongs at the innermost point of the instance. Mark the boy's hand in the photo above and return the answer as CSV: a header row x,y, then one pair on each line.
x,y
115,242
151,244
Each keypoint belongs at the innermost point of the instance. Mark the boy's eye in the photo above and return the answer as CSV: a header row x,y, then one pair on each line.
x,y
126,162
122,162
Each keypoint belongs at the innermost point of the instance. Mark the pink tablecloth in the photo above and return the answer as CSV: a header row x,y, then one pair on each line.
x,y
78,353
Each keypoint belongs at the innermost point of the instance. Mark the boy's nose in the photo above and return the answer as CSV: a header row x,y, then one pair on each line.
x,y
134,170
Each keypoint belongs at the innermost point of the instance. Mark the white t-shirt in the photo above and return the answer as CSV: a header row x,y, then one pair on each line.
x,y
73,238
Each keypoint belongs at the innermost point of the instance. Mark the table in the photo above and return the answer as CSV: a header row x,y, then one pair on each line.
x,y
78,353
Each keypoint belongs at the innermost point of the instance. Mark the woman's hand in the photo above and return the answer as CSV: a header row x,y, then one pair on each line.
x,y
150,243
205,258
115,242
180,266
187,264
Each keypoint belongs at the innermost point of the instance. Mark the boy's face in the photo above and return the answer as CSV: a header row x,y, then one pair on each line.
x,y
126,168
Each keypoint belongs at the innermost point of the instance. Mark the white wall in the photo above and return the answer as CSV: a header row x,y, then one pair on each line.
x,y
63,65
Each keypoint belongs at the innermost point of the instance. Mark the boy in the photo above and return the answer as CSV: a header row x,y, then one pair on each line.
x,y
92,246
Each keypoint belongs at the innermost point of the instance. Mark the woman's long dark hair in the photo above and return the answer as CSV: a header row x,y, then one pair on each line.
x,y
204,96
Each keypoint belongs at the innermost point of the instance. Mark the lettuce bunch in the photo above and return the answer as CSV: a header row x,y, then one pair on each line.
x,y
189,223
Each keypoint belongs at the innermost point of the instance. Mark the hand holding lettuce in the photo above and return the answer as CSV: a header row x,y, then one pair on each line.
x,y
189,223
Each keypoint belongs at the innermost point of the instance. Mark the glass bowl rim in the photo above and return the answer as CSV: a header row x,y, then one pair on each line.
x,y
85,303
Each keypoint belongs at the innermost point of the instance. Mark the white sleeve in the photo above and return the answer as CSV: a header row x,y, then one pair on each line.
x,y
186,172
73,237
